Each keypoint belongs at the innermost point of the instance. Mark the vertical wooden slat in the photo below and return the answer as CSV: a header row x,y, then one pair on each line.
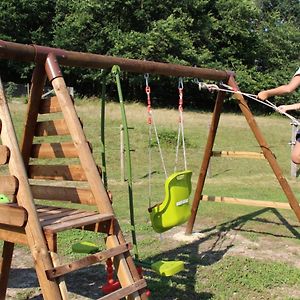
x,y
7,253
37,86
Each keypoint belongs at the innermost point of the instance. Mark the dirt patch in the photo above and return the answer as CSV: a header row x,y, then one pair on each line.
x,y
211,247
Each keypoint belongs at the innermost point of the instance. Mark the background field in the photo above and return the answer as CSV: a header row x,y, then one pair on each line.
x,y
244,252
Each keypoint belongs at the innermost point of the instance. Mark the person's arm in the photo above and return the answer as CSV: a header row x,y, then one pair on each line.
x,y
285,108
281,90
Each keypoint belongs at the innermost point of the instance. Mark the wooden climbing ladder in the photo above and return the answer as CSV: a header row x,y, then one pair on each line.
x,y
53,132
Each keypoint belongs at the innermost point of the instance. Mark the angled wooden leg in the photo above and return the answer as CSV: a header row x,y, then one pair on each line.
x,y
61,282
7,253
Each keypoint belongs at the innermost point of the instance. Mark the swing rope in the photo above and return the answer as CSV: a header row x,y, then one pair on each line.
x,y
152,126
180,127
228,89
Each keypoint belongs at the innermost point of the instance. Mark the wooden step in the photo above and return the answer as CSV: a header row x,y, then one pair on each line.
x,y
63,193
64,219
54,150
8,184
57,172
87,261
4,154
51,128
13,215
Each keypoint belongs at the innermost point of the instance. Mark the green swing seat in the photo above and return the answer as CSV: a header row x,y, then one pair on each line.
x,y
175,209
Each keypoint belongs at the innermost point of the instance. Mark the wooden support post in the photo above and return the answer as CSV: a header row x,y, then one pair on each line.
x,y
206,160
265,149
7,253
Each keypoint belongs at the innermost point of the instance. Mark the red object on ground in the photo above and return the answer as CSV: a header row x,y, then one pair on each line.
x,y
111,284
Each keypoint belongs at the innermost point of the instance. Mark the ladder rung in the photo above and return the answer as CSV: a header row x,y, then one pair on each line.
x,y
123,292
87,261
13,215
4,154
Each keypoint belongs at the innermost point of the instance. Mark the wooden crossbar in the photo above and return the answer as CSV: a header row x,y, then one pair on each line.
x,y
87,261
238,154
249,202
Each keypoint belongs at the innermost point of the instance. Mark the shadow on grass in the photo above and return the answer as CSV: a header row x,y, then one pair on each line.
x,y
184,285
171,288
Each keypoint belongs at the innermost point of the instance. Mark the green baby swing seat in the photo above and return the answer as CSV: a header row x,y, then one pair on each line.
x,y
175,209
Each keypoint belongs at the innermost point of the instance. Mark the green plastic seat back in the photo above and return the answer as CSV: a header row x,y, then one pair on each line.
x,y
175,209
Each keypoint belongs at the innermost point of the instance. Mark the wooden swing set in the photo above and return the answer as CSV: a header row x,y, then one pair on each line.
x,y
27,221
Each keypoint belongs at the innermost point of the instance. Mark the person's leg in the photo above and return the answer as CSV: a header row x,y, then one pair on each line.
x,y
295,156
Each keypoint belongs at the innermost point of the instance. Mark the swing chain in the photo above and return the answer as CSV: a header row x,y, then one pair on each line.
x,y
180,91
180,126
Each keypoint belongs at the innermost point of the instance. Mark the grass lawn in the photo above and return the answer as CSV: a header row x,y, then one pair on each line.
x,y
244,252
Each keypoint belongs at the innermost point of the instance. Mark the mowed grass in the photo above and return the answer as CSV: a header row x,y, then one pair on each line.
x,y
210,273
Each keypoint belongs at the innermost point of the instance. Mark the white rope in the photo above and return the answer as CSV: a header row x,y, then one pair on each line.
x,y
158,144
180,127
149,166
180,134
214,87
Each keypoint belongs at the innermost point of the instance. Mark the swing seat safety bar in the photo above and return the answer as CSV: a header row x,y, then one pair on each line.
x,y
175,209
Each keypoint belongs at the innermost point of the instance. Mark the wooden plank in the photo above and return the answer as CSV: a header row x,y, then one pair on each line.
x,y
78,222
87,261
51,127
13,215
49,105
62,217
250,202
238,154
50,211
125,291
57,215
8,185
13,234
4,154
59,193
54,150
57,172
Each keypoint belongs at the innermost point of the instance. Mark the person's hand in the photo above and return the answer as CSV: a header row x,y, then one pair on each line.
x,y
282,108
263,95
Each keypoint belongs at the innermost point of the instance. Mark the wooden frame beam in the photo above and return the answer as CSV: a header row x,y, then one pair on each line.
x,y
36,53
